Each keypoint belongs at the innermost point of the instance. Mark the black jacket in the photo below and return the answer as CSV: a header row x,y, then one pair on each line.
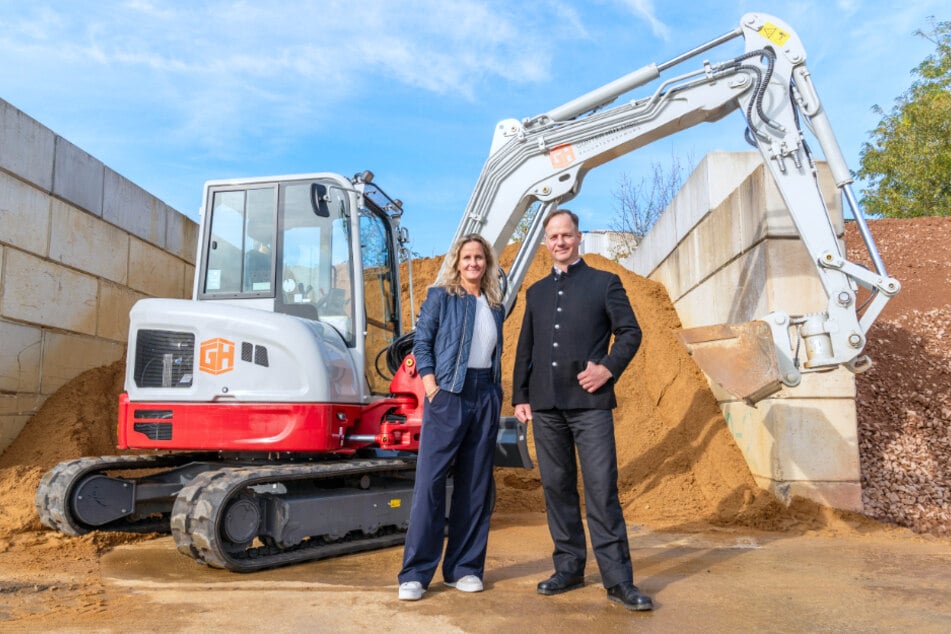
x,y
568,321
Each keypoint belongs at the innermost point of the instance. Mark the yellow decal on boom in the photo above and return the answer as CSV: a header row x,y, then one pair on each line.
x,y
774,34
395,503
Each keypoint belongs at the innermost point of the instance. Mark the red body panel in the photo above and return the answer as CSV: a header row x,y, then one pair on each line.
x,y
393,423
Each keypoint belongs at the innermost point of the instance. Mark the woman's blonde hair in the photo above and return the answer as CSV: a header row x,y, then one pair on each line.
x,y
450,278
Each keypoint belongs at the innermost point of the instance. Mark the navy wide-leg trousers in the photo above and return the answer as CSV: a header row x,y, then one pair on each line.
x,y
459,434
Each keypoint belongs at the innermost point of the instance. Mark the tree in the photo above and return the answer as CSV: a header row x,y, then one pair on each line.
x,y
521,229
907,164
639,206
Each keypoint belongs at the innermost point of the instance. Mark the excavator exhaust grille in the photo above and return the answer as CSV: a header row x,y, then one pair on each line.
x,y
164,358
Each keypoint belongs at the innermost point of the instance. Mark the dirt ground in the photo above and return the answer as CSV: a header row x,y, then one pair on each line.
x,y
709,580
716,552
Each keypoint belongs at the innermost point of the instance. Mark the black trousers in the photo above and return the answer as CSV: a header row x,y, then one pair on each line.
x,y
558,434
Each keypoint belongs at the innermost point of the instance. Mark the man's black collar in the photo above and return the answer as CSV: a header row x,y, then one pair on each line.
x,y
574,267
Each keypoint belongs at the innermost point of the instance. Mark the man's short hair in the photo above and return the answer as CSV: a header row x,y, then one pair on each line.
x,y
560,212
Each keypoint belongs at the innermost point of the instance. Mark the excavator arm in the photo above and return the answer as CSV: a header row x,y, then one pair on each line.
x,y
542,161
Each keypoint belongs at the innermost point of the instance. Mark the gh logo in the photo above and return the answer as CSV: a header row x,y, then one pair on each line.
x,y
217,356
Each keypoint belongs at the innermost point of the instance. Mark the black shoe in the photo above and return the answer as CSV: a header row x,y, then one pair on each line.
x,y
560,582
629,596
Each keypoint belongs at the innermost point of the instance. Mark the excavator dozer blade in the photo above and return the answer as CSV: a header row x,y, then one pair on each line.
x,y
740,357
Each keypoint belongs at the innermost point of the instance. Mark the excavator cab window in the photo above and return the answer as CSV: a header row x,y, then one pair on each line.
x,y
240,250
289,241
378,292
315,256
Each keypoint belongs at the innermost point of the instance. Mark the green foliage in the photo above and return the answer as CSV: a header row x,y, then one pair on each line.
x,y
907,163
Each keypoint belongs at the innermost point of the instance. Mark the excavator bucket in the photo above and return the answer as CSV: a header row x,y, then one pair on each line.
x,y
740,357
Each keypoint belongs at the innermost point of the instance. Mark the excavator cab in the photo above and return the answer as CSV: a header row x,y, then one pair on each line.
x,y
295,246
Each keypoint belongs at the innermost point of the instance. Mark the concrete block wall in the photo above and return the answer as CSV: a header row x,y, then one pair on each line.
x,y
727,251
79,245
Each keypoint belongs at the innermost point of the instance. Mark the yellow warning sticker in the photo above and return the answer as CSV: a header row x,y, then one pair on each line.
x,y
395,503
774,34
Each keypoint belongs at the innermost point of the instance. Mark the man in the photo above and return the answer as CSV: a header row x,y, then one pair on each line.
x,y
564,383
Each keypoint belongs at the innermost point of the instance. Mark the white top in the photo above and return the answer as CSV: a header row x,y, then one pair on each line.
x,y
484,336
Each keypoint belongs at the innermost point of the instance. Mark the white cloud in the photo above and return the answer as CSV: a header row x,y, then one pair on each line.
x,y
645,10
215,66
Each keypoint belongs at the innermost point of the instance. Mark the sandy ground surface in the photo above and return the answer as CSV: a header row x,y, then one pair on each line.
x,y
717,553
716,580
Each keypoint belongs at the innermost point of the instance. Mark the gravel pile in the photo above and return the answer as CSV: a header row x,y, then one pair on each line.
x,y
904,413
904,401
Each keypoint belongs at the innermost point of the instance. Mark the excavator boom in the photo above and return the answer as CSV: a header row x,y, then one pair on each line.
x,y
539,162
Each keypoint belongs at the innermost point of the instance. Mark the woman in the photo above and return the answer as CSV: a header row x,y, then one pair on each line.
x,y
458,348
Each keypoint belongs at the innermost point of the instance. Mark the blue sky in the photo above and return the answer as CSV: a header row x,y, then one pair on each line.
x,y
171,94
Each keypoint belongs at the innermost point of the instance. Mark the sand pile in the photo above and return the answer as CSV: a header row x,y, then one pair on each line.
x,y
678,463
78,420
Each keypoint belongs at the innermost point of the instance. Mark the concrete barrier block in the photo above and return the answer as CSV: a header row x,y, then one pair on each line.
x,y
78,177
816,439
656,245
20,349
734,294
189,284
28,147
20,404
10,426
780,221
115,302
833,198
676,270
24,215
714,241
48,294
130,207
838,495
794,285
797,439
838,383
66,356
88,243
708,237
181,234
667,275
154,272
726,171
686,209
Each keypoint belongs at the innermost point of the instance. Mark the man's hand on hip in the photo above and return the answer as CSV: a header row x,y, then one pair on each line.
x,y
593,377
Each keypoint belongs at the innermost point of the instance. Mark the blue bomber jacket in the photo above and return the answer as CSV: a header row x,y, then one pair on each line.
x,y
444,336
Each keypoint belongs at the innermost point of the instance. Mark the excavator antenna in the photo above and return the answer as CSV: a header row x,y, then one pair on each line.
x,y
740,357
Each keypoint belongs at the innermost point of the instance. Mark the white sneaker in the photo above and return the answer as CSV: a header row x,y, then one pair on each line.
x,y
411,591
469,583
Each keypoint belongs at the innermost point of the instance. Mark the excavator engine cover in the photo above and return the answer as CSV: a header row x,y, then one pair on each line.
x,y
740,357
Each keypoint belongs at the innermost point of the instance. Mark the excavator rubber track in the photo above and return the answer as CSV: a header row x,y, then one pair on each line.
x,y
217,516
55,501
